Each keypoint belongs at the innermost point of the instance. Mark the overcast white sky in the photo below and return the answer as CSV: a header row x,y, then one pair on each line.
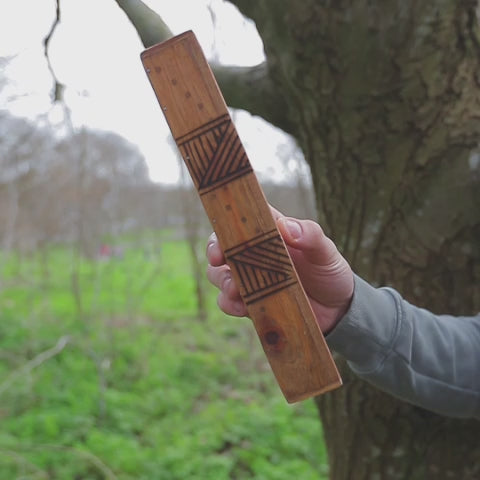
x,y
95,53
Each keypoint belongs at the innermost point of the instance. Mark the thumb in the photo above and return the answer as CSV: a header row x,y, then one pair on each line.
x,y
324,273
308,237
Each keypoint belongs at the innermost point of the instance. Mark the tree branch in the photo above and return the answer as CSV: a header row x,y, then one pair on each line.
x,y
58,88
251,89
149,25
35,362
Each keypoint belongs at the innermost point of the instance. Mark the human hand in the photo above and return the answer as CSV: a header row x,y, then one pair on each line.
x,y
325,275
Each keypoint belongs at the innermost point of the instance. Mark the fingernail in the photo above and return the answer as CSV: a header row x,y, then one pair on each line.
x,y
212,240
294,228
210,245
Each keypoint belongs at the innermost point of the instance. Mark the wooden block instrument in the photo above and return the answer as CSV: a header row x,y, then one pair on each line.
x,y
239,213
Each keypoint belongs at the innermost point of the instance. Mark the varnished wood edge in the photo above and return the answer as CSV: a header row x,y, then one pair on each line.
x,y
167,44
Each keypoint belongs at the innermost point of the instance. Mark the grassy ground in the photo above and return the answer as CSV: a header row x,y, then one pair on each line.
x,y
106,373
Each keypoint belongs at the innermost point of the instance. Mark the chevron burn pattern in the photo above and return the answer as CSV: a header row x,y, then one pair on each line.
x,y
214,154
262,265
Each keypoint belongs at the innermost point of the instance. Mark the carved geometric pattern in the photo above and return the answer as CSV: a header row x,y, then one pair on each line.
x,y
214,154
262,265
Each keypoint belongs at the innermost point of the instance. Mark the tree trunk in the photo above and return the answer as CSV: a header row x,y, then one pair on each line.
x,y
383,98
193,234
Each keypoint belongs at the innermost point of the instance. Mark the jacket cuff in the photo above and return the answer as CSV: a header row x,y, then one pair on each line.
x,y
365,334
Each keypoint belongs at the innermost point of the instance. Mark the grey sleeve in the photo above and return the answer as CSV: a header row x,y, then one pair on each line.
x,y
432,361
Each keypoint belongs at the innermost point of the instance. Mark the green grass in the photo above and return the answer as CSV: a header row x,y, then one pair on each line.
x,y
142,389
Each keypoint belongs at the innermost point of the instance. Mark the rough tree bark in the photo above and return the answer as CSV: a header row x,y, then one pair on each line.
x,y
383,98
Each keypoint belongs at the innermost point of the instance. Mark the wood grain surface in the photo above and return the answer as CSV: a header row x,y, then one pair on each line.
x,y
239,213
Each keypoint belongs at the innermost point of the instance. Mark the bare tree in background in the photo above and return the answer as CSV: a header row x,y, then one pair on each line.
x,y
195,220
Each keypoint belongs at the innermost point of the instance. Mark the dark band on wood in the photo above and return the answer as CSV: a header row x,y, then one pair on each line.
x,y
214,154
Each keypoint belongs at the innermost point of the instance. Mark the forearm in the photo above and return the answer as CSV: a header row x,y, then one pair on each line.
x,y
432,361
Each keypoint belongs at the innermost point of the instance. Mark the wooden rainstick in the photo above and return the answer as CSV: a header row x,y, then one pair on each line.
x,y
236,206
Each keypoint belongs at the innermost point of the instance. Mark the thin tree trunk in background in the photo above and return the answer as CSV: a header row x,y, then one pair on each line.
x,y
192,216
12,214
198,275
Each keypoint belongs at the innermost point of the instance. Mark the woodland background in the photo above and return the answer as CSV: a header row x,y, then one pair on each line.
x,y
114,361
